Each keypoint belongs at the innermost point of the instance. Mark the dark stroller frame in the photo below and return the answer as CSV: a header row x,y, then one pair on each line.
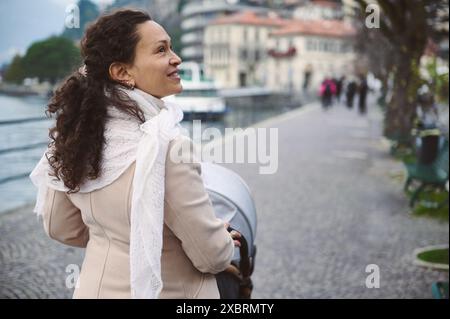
x,y
233,203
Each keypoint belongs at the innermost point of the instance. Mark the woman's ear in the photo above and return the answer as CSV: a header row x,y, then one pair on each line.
x,y
119,73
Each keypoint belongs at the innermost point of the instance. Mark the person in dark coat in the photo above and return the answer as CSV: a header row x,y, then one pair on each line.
x,y
339,86
350,93
362,90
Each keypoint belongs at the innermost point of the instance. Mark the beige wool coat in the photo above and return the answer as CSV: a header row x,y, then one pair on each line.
x,y
196,244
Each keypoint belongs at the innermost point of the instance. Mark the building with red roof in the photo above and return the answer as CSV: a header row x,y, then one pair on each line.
x,y
251,49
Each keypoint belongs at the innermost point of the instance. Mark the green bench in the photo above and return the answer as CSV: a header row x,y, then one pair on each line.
x,y
434,174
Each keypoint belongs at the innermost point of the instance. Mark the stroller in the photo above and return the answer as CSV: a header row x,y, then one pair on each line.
x,y
232,203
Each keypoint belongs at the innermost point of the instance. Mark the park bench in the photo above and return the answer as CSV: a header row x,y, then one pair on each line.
x,y
434,174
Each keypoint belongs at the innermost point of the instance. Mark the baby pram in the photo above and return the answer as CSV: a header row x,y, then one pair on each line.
x,y
233,203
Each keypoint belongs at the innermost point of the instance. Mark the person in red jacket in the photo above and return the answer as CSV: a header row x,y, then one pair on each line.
x,y
327,91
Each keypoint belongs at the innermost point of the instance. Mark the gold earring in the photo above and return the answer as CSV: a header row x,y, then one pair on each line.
x,y
130,85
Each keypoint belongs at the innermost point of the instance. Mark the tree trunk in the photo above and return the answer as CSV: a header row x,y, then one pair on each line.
x,y
401,109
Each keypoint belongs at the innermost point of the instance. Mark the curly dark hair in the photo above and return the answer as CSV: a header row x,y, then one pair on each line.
x,y
80,103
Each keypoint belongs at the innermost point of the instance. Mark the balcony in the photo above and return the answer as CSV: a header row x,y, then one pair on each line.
x,y
196,8
192,37
192,53
194,23
290,52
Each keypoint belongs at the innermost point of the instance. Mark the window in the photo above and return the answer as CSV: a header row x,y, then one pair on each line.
x,y
332,47
346,47
244,54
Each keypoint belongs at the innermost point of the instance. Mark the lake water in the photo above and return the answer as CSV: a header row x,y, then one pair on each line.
x,y
16,188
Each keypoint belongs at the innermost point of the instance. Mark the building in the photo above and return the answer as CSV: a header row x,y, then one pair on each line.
x,y
319,10
197,14
236,48
303,53
159,10
251,49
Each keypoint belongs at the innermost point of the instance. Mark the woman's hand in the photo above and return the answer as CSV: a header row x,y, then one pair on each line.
x,y
235,235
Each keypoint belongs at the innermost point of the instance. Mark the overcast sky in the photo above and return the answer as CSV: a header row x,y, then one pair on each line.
x,y
25,21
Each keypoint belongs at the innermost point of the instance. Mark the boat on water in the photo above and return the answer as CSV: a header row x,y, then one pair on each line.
x,y
200,98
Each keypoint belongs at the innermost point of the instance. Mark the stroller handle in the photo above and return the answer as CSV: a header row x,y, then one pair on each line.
x,y
244,263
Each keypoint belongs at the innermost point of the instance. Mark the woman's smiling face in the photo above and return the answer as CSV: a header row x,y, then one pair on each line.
x,y
154,69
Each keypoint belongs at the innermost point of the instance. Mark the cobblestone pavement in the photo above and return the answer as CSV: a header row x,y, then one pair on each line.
x,y
334,206
31,264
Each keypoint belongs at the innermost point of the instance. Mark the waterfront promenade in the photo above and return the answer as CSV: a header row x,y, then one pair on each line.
x,y
335,206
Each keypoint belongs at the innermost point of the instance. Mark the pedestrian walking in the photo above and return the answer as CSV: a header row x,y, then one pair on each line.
x,y
327,91
362,92
350,93
339,88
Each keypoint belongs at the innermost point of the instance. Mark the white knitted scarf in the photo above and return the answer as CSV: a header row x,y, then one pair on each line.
x,y
147,144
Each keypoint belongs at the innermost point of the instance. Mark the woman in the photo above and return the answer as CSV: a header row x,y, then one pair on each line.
x,y
109,182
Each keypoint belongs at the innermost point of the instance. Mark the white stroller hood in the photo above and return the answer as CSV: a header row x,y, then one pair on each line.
x,y
232,200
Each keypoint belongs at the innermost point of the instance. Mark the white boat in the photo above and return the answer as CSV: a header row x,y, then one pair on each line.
x,y
200,97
